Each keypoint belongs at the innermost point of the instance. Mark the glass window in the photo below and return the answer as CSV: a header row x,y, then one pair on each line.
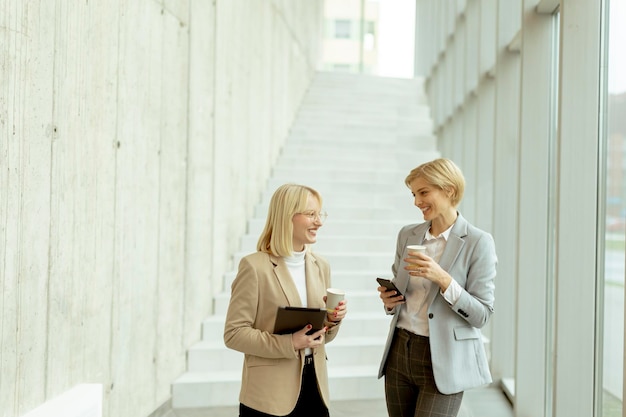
x,y
343,29
615,215
369,36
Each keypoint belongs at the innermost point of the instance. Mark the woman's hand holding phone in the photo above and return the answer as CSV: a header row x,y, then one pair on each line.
x,y
389,293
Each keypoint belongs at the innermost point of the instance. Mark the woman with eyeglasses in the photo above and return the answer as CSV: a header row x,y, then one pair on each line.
x,y
283,374
435,350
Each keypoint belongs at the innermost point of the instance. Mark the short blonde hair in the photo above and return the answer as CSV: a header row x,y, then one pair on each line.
x,y
287,200
443,174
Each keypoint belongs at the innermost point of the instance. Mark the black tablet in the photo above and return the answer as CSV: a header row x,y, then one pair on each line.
x,y
293,319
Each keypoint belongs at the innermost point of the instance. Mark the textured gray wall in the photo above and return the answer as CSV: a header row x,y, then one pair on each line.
x,y
135,138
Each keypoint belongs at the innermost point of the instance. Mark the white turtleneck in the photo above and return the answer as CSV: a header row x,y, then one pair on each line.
x,y
295,265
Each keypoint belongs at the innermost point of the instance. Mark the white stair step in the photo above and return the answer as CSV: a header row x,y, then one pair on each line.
x,y
334,243
325,151
355,382
206,389
213,327
374,323
210,389
209,356
359,300
391,121
357,324
357,213
341,278
344,351
351,227
319,109
367,261
356,132
340,209
321,146
333,159
394,194
403,161
362,173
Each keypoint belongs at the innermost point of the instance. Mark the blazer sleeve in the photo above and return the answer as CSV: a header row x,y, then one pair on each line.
x,y
475,304
248,328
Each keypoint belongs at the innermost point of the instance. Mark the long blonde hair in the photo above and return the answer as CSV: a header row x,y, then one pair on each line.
x,y
441,173
287,200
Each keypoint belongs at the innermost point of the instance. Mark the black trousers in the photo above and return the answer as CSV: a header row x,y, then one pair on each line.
x,y
410,387
310,403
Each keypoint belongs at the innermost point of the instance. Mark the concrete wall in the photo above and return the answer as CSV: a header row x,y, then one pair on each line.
x,y
135,138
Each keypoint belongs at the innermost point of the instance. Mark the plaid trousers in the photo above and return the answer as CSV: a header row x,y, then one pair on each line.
x,y
410,388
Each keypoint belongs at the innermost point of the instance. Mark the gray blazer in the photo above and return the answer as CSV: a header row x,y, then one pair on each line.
x,y
458,355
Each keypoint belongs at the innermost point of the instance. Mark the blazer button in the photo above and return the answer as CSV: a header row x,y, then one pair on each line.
x,y
430,315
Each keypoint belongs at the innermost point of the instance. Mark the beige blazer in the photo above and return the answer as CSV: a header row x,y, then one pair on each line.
x,y
272,369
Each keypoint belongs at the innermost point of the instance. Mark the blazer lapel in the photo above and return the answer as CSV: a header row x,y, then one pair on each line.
x,y
416,239
454,246
286,281
455,243
314,285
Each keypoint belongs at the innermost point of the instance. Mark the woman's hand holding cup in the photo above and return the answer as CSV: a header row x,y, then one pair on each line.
x,y
413,259
335,304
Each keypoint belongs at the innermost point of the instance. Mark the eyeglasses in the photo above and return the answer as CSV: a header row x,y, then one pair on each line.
x,y
322,215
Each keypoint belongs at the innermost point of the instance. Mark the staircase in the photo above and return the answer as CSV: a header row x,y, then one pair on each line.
x,y
355,139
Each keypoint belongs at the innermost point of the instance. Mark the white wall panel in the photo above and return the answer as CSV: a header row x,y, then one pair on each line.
x,y
467,142
506,212
509,21
24,202
577,232
200,154
533,263
488,35
472,46
485,146
137,205
460,65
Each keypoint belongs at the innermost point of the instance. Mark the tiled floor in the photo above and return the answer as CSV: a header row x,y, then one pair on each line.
x,y
483,402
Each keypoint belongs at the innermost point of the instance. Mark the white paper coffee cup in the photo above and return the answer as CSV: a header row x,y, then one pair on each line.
x,y
416,248
333,297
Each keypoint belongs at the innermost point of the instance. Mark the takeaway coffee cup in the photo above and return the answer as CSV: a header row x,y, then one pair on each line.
x,y
413,250
416,248
333,297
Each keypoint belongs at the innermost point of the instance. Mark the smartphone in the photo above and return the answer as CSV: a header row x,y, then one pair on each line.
x,y
389,285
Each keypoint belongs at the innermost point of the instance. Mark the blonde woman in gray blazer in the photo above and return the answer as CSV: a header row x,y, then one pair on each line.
x,y
434,350
283,374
